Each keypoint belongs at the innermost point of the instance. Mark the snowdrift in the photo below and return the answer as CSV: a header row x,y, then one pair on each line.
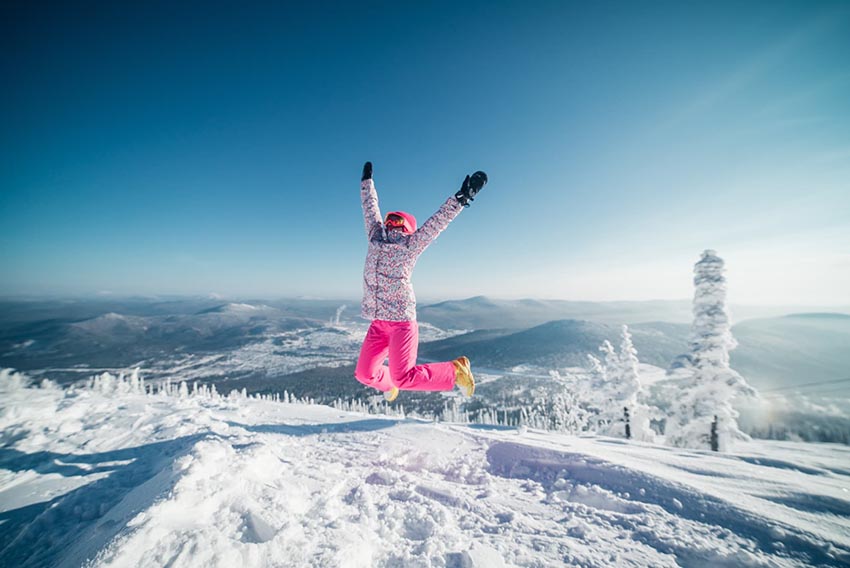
x,y
109,475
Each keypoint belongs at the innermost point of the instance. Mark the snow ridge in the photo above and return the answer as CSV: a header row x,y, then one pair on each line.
x,y
112,475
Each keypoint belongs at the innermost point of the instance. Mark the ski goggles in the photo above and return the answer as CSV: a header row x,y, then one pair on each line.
x,y
395,221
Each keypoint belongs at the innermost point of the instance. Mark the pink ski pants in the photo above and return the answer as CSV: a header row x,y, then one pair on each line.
x,y
400,341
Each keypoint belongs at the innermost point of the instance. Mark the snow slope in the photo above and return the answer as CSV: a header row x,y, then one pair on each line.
x,y
116,477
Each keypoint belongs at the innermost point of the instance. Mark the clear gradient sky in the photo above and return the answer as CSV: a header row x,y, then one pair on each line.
x,y
210,147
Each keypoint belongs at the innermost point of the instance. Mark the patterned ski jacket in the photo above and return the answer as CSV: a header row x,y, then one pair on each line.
x,y
387,289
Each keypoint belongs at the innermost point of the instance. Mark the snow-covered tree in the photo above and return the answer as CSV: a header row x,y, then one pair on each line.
x,y
628,360
610,359
618,393
708,384
590,390
595,370
599,389
632,389
565,410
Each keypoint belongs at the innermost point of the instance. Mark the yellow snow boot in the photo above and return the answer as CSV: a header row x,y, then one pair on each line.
x,y
463,376
391,394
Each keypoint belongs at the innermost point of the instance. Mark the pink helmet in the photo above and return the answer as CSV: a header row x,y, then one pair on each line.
x,y
400,219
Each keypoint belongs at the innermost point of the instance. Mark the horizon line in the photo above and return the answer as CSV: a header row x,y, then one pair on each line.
x,y
425,300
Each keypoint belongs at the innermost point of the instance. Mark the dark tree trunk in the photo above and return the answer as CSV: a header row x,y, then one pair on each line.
x,y
715,445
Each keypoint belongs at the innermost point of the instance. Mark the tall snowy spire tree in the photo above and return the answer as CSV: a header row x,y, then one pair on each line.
x,y
708,383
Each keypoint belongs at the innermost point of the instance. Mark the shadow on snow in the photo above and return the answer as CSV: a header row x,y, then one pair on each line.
x,y
38,534
546,466
368,425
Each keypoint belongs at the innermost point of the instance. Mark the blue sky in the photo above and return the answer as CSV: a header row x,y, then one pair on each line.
x,y
216,148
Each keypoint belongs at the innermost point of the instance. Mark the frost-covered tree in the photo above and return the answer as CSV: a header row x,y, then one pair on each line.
x,y
632,389
565,409
593,384
628,364
603,376
595,370
708,384
610,359
619,392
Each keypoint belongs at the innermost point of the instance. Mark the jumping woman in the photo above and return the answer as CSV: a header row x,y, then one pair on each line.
x,y
395,244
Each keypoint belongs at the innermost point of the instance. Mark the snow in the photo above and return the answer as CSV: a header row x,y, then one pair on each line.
x,y
113,476
240,308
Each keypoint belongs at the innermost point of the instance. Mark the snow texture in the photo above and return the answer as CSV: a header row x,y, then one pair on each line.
x,y
111,475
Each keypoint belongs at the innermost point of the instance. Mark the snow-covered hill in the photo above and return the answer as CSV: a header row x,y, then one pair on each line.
x,y
116,477
559,343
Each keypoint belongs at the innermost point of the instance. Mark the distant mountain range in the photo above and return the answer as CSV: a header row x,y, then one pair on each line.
x,y
482,312
772,352
795,349
273,336
118,340
562,343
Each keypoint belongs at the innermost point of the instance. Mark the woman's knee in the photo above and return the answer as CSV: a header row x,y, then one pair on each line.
x,y
406,379
365,376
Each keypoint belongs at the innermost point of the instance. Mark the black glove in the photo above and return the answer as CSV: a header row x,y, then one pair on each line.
x,y
367,171
470,188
